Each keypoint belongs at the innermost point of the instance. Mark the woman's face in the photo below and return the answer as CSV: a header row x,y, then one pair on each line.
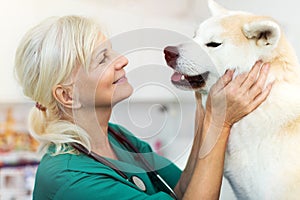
x,y
105,84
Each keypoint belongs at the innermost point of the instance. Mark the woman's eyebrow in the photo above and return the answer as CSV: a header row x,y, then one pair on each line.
x,y
99,52
102,49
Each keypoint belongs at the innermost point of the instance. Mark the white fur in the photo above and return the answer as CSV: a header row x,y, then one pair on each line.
x,y
263,155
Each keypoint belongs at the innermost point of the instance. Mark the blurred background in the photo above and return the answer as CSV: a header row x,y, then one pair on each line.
x,y
157,112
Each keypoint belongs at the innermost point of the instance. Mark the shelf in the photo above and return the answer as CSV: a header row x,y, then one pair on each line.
x,y
19,159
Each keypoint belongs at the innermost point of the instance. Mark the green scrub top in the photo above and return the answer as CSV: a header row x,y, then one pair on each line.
x,y
70,176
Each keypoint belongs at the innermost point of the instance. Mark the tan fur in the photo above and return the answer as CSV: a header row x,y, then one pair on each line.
x,y
285,62
284,57
233,27
291,127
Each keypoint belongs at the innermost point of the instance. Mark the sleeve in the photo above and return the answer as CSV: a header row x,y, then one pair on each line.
x,y
96,187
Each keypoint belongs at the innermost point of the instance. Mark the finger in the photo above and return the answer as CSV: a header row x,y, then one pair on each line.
x,y
261,97
239,79
223,80
198,96
257,88
252,76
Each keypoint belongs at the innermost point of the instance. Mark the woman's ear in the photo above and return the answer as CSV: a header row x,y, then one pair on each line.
x,y
64,95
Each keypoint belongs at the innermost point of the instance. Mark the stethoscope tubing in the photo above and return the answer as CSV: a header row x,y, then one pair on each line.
x,y
98,158
127,143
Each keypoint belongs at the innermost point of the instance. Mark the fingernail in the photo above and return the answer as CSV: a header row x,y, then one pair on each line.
x,y
259,62
228,72
270,85
266,67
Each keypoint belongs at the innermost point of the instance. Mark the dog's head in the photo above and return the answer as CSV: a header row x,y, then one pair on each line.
x,y
228,39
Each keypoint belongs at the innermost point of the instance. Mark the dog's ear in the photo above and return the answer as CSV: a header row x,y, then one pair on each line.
x,y
216,9
265,32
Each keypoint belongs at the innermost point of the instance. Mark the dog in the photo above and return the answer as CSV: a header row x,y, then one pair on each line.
x,y
262,160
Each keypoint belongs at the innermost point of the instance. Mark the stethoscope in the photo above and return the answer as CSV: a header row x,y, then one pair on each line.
x,y
134,179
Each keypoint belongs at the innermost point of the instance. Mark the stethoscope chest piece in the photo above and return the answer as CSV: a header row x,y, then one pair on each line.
x,y
139,183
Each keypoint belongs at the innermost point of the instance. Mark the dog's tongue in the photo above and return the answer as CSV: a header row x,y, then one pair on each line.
x,y
176,76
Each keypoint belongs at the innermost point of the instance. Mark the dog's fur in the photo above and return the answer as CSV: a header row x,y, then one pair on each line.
x,y
263,154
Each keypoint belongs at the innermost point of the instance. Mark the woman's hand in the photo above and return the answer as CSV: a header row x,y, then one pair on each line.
x,y
230,99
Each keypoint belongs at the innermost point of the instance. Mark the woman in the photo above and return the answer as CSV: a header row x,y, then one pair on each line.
x,y
68,67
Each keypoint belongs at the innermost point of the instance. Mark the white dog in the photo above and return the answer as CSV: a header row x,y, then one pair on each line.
x,y
263,155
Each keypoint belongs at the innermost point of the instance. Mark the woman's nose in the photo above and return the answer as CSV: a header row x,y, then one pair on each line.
x,y
121,62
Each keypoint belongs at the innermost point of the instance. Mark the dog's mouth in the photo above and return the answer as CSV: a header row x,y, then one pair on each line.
x,y
180,80
184,81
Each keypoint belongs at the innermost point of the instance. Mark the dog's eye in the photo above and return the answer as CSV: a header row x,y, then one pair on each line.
x,y
213,44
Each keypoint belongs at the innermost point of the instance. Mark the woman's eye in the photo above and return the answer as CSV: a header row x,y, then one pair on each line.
x,y
102,60
213,44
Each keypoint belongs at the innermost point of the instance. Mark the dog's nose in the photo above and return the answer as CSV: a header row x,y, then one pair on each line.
x,y
171,55
171,52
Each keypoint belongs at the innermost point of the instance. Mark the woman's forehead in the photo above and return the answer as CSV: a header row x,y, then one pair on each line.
x,y
102,40
101,44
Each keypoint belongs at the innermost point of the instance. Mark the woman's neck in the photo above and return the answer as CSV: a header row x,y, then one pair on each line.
x,y
95,123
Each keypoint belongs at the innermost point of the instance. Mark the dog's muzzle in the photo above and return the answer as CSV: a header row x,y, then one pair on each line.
x,y
180,80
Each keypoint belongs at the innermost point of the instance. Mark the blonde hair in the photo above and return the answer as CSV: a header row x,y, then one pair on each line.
x,y
46,56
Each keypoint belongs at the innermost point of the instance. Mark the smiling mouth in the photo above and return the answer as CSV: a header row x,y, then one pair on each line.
x,y
189,82
120,80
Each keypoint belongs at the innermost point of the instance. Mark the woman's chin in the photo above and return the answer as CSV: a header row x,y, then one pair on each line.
x,y
122,94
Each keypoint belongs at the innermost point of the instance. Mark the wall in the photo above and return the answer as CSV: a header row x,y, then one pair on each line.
x,y
17,16
119,16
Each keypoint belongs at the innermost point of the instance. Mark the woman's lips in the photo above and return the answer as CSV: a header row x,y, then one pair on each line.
x,y
123,79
